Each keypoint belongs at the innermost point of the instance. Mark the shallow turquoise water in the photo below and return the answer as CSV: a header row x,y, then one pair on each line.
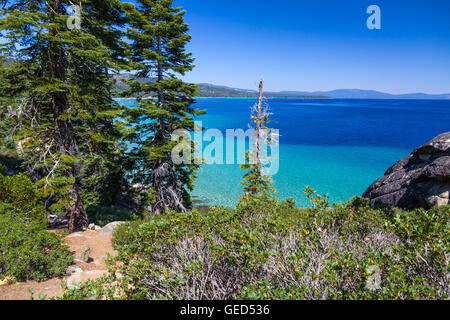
x,y
338,147
339,171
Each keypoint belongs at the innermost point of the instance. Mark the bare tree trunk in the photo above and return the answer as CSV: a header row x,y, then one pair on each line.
x,y
258,122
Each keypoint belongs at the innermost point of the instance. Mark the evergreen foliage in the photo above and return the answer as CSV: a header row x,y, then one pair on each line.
x,y
56,86
80,151
20,197
27,249
158,36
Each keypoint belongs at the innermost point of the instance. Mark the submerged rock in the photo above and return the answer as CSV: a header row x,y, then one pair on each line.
x,y
421,180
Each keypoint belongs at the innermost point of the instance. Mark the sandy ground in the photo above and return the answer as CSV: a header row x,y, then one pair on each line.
x,y
100,246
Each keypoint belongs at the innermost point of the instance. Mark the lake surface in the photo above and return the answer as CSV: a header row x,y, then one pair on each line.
x,y
338,147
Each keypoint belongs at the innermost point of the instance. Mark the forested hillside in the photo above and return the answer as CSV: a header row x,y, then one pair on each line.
x,y
212,91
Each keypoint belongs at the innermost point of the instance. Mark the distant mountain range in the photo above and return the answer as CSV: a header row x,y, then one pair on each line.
x,y
214,91
208,90
343,94
371,94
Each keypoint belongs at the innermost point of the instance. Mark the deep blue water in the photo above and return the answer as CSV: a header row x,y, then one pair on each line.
x,y
338,147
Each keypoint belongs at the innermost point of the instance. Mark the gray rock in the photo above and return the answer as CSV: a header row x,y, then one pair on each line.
x,y
82,253
56,221
74,280
73,269
110,228
421,180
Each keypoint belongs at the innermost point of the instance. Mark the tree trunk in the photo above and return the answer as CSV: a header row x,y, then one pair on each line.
x,y
258,132
165,181
258,122
62,131
78,220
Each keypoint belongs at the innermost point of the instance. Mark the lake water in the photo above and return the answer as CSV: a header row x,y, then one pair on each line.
x,y
338,147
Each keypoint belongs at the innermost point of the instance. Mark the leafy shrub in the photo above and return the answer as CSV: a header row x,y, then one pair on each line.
x,y
28,251
20,196
269,250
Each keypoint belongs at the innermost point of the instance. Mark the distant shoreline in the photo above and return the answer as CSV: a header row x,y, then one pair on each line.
x,y
266,97
302,98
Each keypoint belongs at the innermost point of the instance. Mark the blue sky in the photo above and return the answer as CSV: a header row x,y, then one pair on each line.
x,y
321,45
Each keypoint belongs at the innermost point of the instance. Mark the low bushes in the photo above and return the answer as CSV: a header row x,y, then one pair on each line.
x,y
27,250
21,197
269,250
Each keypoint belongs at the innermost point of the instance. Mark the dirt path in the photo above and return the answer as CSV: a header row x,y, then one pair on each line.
x,y
99,244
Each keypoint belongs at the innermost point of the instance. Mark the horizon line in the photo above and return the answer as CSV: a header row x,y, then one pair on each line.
x,y
322,90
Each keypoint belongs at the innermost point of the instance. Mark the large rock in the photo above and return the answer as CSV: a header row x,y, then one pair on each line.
x,y
110,228
421,180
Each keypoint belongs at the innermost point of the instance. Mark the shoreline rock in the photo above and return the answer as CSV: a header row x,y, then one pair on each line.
x,y
421,180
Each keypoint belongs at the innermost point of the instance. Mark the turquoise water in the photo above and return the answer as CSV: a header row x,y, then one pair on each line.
x,y
339,171
338,147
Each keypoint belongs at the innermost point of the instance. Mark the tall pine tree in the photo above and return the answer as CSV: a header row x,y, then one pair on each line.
x,y
58,88
158,36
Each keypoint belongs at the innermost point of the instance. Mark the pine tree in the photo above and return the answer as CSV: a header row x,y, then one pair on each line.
x,y
103,52
59,90
158,36
256,183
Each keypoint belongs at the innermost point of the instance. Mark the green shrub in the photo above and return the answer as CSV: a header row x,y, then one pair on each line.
x,y
28,251
269,250
20,196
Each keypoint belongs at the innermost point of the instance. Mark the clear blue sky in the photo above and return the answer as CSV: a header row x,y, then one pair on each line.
x,y
321,44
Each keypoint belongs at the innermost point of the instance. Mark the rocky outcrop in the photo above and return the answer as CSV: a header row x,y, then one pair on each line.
x,y
110,228
421,180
